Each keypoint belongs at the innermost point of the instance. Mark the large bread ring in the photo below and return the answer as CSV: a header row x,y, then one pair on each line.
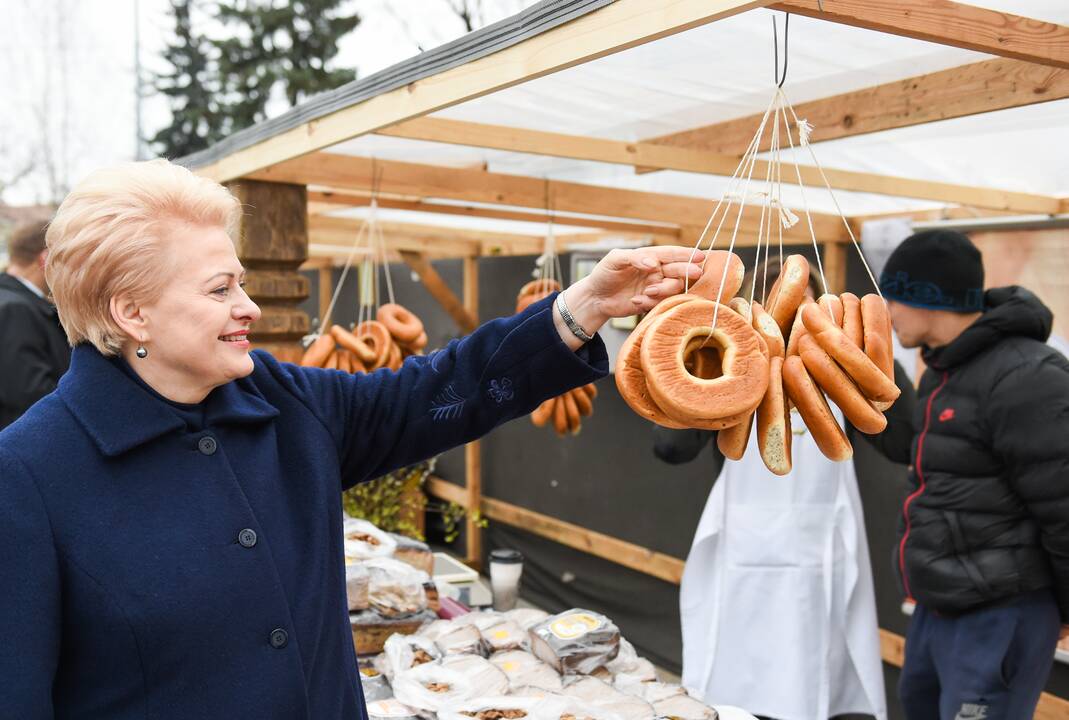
x,y
543,412
868,376
742,307
853,325
583,402
318,352
876,338
362,349
394,359
788,291
833,306
526,301
815,411
766,327
798,330
378,337
717,263
416,346
774,422
713,402
403,325
631,380
840,389
542,285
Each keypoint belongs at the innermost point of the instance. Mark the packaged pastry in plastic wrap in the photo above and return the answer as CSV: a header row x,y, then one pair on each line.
x,y
461,640
364,541
395,589
628,668
413,552
404,652
434,630
683,707
390,709
526,618
374,684
653,692
505,635
356,586
492,708
431,687
525,670
554,706
575,642
481,619
600,694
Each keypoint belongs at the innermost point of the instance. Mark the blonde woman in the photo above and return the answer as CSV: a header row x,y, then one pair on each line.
x,y
170,520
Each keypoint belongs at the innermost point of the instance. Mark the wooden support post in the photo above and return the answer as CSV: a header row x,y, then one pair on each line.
x,y
326,290
473,451
272,243
833,258
437,287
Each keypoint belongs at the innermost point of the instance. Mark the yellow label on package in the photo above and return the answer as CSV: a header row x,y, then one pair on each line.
x,y
574,626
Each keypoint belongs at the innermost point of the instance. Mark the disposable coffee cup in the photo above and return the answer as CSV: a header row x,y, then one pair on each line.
x,y
506,566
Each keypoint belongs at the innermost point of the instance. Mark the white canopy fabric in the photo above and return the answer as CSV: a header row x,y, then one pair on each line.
x,y
723,71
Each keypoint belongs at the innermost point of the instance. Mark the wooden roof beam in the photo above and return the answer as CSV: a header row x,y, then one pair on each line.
x,y
958,92
947,23
430,181
662,157
619,26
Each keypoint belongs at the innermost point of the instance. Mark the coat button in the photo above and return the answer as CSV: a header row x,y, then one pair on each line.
x,y
247,537
279,638
207,445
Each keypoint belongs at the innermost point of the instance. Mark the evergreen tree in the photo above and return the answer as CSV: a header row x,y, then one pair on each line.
x,y
196,120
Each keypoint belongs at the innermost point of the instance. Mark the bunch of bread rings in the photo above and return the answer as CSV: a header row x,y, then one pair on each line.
x,y
680,370
394,335
566,412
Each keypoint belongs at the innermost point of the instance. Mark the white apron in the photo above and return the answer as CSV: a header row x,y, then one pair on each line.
x,y
777,603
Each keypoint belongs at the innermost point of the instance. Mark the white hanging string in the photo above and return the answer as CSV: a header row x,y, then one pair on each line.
x,y
341,281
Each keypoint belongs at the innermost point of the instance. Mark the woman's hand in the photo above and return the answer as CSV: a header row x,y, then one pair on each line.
x,y
627,282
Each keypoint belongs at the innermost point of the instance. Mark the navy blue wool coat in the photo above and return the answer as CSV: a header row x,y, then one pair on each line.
x,y
151,572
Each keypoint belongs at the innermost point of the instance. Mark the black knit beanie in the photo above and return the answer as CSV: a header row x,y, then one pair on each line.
x,y
936,270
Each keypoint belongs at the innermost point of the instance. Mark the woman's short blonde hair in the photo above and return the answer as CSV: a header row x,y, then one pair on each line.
x,y
110,236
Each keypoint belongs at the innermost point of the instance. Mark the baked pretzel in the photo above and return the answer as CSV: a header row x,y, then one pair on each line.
x,y
788,291
840,389
868,376
378,337
363,349
717,264
732,441
403,325
853,326
318,352
815,411
766,327
630,379
774,422
713,402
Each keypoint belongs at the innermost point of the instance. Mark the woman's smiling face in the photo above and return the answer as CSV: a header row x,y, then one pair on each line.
x,y
196,332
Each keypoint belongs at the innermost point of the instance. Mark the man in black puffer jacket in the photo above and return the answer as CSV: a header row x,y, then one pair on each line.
x,y
983,541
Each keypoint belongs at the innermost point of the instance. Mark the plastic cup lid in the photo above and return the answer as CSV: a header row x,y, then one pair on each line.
x,y
506,556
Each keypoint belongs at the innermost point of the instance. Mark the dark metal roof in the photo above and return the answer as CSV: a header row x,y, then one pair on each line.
x,y
533,21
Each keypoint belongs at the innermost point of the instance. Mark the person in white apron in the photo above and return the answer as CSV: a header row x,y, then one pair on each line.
x,y
777,602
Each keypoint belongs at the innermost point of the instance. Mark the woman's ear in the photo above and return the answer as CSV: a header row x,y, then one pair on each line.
x,y
127,315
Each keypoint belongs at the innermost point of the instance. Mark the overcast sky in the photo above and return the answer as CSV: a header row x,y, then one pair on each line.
x,y
67,90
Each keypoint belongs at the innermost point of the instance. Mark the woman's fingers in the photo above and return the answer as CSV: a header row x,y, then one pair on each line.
x,y
649,258
664,288
682,270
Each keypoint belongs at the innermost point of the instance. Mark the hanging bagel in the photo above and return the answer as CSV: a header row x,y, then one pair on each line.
x,y
525,301
833,306
631,380
542,286
345,362
402,324
774,422
543,412
378,337
853,325
416,346
815,411
739,374
331,362
840,389
766,327
868,376
788,291
798,330
732,441
583,402
394,359
742,307
363,349
720,266
560,417
572,411
318,352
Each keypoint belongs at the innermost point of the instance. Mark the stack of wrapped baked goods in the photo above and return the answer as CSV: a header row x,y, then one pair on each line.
x,y
705,359
394,335
565,412
518,665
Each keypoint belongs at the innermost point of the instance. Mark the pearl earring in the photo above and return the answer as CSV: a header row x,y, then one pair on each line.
x,y
141,351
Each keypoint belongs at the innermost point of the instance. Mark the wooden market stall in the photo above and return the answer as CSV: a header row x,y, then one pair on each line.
x,y
470,151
